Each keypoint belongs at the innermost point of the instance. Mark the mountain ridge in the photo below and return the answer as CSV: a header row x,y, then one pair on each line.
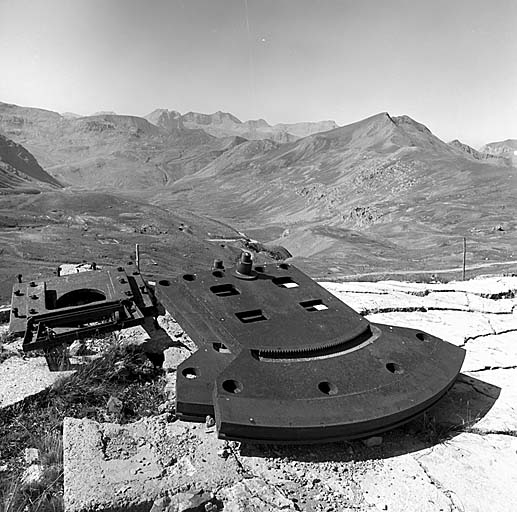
x,y
108,151
478,155
383,192
385,182
19,169
224,124
506,149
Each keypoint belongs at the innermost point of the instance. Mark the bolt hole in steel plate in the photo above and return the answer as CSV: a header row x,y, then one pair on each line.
x,y
165,282
422,336
394,368
190,373
327,388
189,277
232,386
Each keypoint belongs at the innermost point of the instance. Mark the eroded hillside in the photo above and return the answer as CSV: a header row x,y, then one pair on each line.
x,y
19,170
383,193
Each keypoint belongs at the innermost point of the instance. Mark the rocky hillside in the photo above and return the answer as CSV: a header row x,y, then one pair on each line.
x,y
19,170
109,151
224,124
478,155
380,193
505,149
41,231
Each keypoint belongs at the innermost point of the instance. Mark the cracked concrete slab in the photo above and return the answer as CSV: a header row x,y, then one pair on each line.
x,y
370,302
492,287
476,471
21,378
126,467
471,403
400,483
502,416
492,351
453,326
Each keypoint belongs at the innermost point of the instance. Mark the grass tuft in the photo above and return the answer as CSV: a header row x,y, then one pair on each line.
x,y
122,372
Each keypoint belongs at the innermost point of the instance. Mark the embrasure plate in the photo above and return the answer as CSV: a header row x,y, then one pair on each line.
x,y
282,360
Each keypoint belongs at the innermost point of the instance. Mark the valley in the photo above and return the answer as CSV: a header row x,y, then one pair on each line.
x,y
379,198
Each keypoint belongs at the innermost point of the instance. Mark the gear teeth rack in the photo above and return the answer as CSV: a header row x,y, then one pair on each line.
x,y
281,360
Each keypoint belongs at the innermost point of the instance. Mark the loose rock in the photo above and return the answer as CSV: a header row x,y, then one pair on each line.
x,y
372,441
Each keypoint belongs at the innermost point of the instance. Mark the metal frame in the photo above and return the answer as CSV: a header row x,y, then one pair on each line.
x,y
62,309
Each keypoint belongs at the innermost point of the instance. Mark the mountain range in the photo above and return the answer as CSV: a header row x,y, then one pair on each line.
x,y
383,190
223,124
383,194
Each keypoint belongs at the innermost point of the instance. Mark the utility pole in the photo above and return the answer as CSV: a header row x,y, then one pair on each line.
x,y
137,256
464,256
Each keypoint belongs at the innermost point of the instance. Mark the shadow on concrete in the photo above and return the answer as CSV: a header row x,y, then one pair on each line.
x,y
467,402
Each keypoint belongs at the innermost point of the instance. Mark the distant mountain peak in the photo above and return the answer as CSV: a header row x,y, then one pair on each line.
x,y
506,149
405,120
70,115
466,149
218,117
167,119
104,113
164,111
258,123
224,124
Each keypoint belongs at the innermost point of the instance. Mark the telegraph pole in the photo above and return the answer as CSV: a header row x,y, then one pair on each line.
x,y
464,256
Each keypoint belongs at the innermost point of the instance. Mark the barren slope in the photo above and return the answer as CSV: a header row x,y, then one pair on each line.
x,y
504,149
109,152
19,170
383,193
39,232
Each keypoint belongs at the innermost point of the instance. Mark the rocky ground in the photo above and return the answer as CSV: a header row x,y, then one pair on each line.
x,y
461,456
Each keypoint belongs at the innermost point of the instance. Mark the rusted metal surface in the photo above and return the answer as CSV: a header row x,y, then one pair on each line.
x,y
281,360
64,308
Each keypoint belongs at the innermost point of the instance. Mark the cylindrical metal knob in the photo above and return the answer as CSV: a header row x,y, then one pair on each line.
x,y
244,268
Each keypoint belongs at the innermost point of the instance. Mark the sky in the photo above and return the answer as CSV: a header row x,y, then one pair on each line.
x,y
450,65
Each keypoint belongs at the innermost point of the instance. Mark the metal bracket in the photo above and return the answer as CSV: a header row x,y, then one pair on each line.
x,y
65,308
281,360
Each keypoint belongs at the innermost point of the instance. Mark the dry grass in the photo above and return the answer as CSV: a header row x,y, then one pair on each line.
x,y
5,339
122,372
